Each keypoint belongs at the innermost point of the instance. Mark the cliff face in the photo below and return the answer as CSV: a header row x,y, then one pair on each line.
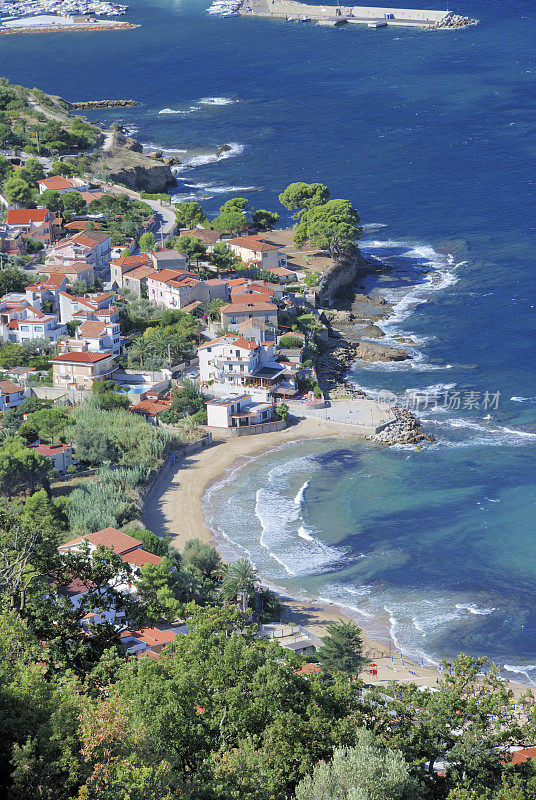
x,y
153,178
342,275
123,159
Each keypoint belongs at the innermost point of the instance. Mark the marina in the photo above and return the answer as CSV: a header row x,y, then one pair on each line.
x,y
62,8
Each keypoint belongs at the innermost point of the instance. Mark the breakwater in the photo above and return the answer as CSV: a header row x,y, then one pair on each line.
x,y
373,16
103,104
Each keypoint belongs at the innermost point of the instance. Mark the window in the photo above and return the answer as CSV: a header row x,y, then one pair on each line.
x,y
38,329
264,415
25,327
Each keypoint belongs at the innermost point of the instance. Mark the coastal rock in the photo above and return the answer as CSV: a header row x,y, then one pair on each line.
x,y
152,179
406,428
371,331
223,148
369,351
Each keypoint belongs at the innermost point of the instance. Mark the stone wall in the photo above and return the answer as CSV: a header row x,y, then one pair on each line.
x,y
247,430
294,9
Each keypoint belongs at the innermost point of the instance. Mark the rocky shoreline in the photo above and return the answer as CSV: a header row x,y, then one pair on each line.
x,y
351,325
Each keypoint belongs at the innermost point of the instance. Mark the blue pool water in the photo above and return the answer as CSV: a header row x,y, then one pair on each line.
x,y
432,136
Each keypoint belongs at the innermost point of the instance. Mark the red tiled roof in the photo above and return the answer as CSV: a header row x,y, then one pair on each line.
x,y
88,238
51,283
56,182
252,243
81,224
117,541
74,268
23,216
251,305
518,756
92,329
136,261
139,557
245,344
150,407
82,358
8,387
207,236
170,274
154,636
141,272
49,450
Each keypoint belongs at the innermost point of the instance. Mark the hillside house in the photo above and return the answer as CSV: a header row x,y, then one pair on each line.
x,y
80,369
253,251
11,396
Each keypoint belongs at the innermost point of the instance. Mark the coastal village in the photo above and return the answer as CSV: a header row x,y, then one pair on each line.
x,y
143,343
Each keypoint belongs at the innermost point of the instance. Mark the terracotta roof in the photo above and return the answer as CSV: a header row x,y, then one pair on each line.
x,y
81,224
51,283
82,358
141,272
92,329
282,271
308,669
154,636
226,338
165,275
8,387
49,450
518,756
139,557
206,236
74,268
23,216
216,282
136,261
150,407
168,255
56,182
76,587
90,196
117,541
88,238
252,243
251,305
245,344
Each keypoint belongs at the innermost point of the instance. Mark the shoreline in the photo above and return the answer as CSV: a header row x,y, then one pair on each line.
x,y
183,485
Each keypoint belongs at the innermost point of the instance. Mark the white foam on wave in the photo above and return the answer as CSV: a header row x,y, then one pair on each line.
x,y
472,608
235,149
346,597
523,399
179,110
300,497
489,435
217,101
523,669
151,146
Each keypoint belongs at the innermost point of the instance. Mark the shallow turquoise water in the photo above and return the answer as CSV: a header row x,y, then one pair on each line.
x,y
431,135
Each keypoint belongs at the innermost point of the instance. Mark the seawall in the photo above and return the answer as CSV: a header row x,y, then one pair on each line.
x,y
384,15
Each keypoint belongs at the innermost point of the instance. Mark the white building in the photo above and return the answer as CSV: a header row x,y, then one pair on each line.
x,y
11,395
252,250
238,411
100,336
233,362
91,247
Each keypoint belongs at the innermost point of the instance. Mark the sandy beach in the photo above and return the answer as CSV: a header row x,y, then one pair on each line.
x,y
174,506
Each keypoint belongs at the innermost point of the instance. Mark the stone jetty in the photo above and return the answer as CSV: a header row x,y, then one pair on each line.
x,y
103,104
372,16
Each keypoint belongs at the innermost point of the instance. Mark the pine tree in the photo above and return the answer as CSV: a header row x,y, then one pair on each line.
x,y
341,651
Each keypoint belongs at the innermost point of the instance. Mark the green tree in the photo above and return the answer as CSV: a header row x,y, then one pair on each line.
x,y
160,589
151,542
202,556
18,192
367,771
107,397
222,257
213,307
333,226
73,202
32,171
341,650
282,411
240,580
230,222
51,199
22,467
189,215
264,220
303,196
147,242
193,247
12,280
234,204
47,423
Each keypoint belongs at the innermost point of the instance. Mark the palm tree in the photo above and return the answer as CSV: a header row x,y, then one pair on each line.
x,y
212,308
139,349
240,579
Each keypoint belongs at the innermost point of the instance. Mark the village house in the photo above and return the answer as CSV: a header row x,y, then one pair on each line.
x,y
90,247
100,306
46,293
208,237
231,361
57,183
80,369
284,275
238,412
33,324
244,289
131,272
61,455
234,314
39,224
175,288
258,330
100,336
168,259
147,642
150,410
253,251
73,271
11,396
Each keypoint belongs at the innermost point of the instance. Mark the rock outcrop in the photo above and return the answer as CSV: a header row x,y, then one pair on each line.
x,y
405,429
370,351
153,179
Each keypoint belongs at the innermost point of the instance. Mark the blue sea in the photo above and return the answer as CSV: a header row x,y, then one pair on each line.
x,y
432,137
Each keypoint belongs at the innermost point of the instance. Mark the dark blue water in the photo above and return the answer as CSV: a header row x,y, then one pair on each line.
x,y
432,136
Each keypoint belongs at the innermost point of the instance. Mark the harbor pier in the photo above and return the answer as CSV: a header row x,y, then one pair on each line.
x,y
372,16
